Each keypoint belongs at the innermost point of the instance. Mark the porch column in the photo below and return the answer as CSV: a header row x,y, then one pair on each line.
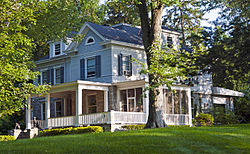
x,y
189,108
106,101
78,104
146,103
28,114
47,110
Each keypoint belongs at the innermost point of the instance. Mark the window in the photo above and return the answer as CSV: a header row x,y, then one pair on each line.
x,y
57,49
92,107
43,111
90,40
176,103
169,41
91,67
45,77
58,75
131,100
59,109
125,65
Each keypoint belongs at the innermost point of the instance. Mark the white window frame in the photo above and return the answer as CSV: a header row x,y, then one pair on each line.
x,y
134,98
87,103
54,50
90,37
54,69
41,75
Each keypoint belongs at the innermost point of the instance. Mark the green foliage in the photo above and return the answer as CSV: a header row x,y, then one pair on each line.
x,y
203,120
6,138
71,130
133,127
220,117
16,65
242,105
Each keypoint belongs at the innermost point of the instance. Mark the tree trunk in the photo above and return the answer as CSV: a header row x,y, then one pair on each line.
x,y
151,32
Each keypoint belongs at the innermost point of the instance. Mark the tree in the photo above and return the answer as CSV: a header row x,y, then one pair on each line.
x,y
163,66
185,16
16,73
119,11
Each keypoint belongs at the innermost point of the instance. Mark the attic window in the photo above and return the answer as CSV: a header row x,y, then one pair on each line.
x,y
57,49
90,40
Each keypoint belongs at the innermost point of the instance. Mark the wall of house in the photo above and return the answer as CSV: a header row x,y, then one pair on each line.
x,y
137,54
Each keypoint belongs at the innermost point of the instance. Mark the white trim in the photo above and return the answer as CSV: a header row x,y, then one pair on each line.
x,y
87,39
130,45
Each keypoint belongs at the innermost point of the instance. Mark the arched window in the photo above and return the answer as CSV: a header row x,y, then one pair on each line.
x,y
90,40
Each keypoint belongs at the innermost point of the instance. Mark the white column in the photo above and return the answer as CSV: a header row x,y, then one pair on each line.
x,y
47,110
146,102
78,104
189,108
106,101
28,114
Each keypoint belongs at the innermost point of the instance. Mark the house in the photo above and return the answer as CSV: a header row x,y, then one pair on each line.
x,y
94,82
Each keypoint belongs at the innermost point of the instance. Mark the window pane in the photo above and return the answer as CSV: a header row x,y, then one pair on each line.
x,y
139,100
131,105
168,101
125,63
58,109
45,77
123,97
184,102
58,75
176,102
92,107
131,93
91,68
57,49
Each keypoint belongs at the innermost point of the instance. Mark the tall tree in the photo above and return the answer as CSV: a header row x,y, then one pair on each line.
x,y
185,16
163,66
16,73
120,11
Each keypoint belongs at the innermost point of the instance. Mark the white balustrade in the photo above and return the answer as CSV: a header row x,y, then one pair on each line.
x,y
41,123
94,118
61,121
177,119
128,117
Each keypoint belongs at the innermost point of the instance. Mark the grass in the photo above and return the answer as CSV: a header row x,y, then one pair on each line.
x,y
219,139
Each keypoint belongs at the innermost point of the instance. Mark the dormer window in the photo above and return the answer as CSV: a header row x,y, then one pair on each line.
x,y
169,41
90,40
57,49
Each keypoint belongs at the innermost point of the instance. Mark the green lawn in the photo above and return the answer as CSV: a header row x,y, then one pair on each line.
x,y
223,139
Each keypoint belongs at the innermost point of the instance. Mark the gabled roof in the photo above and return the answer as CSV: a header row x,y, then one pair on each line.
x,y
122,33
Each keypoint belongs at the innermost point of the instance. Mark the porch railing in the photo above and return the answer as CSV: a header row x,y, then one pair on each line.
x,y
94,118
177,119
41,123
128,117
61,121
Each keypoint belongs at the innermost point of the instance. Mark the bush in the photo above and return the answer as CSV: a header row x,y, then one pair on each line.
x,y
71,130
7,138
220,117
133,127
203,120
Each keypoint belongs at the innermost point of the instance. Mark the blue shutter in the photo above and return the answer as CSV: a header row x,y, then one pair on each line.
x,y
39,79
82,69
130,65
62,74
52,76
120,71
98,66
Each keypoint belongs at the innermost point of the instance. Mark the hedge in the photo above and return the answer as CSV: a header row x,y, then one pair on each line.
x,y
7,138
133,127
71,130
203,120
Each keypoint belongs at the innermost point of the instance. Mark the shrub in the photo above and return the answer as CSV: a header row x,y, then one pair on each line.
x,y
71,130
7,138
204,120
220,117
133,127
